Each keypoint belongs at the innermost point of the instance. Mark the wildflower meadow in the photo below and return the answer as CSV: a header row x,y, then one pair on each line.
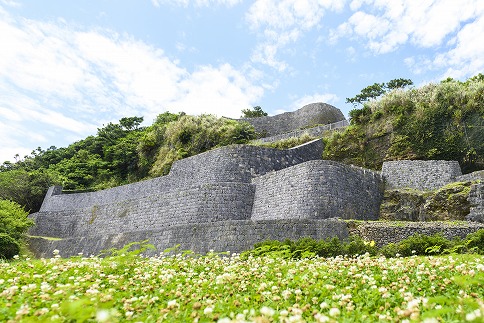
x,y
230,288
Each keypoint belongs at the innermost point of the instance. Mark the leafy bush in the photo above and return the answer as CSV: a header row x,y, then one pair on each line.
x,y
417,244
9,247
191,135
474,242
308,247
13,225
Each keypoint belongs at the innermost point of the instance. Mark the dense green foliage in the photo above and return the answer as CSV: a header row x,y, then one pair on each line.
x,y
416,244
191,135
377,89
13,225
119,153
255,112
182,288
437,121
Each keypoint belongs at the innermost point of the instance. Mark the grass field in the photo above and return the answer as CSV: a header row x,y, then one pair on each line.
x,y
182,288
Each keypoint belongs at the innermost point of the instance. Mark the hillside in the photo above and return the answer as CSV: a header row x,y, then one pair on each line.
x,y
443,121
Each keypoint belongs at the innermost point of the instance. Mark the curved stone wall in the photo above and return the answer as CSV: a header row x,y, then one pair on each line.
x,y
240,163
309,115
420,174
237,163
318,189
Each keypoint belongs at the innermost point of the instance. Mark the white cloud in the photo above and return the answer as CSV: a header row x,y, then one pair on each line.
x,y
467,57
59,81
451,28
283,22
389,24
196,3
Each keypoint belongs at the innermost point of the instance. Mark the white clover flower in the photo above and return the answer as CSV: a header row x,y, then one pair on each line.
x,y
321,318
334,312
172,303
224,320
16,257
284,313
240,317
324,305
129,314
102,315
267,311
473,315
208,310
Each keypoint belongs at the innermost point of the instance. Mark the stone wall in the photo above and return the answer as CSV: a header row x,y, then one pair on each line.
x,y
476,199
387,232
313,132
237,163
475,176
206,203
318,190
420,174
309,115
233,236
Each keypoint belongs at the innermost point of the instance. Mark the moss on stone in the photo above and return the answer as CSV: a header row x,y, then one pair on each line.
x,y
447,203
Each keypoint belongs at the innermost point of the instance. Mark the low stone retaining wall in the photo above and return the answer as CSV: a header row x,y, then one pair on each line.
x,y
237,236
384,233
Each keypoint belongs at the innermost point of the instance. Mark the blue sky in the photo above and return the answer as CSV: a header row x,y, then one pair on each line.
x,y
68,67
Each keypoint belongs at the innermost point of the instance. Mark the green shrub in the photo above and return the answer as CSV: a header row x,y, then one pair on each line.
x,y
474,242
308,247
9,247
417,244
13,225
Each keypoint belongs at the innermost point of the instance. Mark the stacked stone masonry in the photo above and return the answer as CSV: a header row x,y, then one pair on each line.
x,y
233,197
308,116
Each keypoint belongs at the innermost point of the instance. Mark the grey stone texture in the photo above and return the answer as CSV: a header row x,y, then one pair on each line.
x,y
422,175
318,189
310,115
316,131
475,176
232,236
384,233
476,199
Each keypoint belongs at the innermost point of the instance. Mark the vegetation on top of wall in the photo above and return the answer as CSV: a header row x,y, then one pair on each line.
x,y
255,112
286,143
437,121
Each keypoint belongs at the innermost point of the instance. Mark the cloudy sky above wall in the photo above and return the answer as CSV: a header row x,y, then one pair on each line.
x,y
67,68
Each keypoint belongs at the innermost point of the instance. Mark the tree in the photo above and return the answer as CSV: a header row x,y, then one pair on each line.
x,y
14,223
376,90
255,112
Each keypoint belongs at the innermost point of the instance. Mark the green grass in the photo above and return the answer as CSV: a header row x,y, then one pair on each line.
x,y
181,288
46,238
